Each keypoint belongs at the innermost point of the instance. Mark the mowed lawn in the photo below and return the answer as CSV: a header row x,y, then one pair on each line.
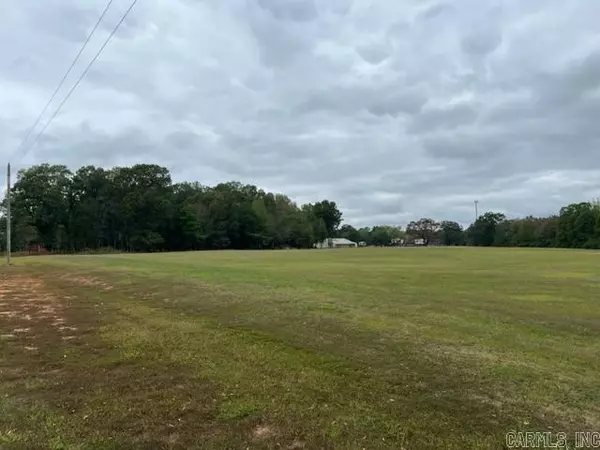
x,y
439,348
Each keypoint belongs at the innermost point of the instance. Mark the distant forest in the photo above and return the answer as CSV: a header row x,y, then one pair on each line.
x,y
139,208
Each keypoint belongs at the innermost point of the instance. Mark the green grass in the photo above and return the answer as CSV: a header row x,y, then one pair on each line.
x,y
346,349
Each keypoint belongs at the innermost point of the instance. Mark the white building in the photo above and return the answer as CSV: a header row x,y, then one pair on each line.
x,y
336,243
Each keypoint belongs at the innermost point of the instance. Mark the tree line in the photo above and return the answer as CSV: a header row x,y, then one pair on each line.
x,y
576,226
139,208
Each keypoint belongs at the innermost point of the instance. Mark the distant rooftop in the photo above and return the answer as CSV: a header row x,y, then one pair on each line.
x,y
341,241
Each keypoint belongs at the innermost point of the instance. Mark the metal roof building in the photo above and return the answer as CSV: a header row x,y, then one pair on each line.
x,y
336,243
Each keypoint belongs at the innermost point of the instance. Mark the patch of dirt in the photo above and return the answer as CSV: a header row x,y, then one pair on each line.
x,y
88,281
10,373
487,400
26,306
21,330
589,420
172,438
263,432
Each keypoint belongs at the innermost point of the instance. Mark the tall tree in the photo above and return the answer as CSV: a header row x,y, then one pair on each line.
x,y
577,225
546,231
483,231
365,235
425,229
350,233
329,213
138,209
525,232
90,203
383,235
41,196
451,233
141,213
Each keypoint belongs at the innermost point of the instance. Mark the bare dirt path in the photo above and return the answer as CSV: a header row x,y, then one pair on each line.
x,y
27,307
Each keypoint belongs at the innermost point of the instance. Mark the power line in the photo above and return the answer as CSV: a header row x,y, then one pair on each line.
x,y
81,77
64,78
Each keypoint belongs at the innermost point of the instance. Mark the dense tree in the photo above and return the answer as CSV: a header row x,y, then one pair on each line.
x,y
90,208
483,231
365,235
329,213
42,194
451,233
138,208
577,225
546,231
425,229
385,235
350,233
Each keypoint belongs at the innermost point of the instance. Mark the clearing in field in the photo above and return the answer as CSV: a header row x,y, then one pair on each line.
x,y
344,349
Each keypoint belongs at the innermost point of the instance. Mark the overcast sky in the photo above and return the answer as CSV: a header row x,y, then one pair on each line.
x,y
394,109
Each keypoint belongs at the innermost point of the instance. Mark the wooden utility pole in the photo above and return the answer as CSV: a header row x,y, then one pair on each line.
x,y
8,215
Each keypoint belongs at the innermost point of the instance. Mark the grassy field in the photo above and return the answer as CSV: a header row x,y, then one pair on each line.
x,y
333,349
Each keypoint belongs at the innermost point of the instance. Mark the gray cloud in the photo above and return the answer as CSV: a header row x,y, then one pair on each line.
x,y
449,117
435,10
395,110
296,10
375,53
481,43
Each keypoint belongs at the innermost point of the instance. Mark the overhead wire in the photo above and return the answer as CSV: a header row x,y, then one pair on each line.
x,y
81,77
57,111
63,79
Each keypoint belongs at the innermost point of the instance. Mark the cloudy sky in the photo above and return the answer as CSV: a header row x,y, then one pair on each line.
x,y
394,109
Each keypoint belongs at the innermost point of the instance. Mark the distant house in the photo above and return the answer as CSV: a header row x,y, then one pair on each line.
x,y
336,243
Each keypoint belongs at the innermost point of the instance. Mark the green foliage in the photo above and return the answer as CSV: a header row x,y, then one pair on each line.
x,y
425,229
329,213
385,235
349,232
483,231
527,232
451,233
380,235
42,194
577,224
139,209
